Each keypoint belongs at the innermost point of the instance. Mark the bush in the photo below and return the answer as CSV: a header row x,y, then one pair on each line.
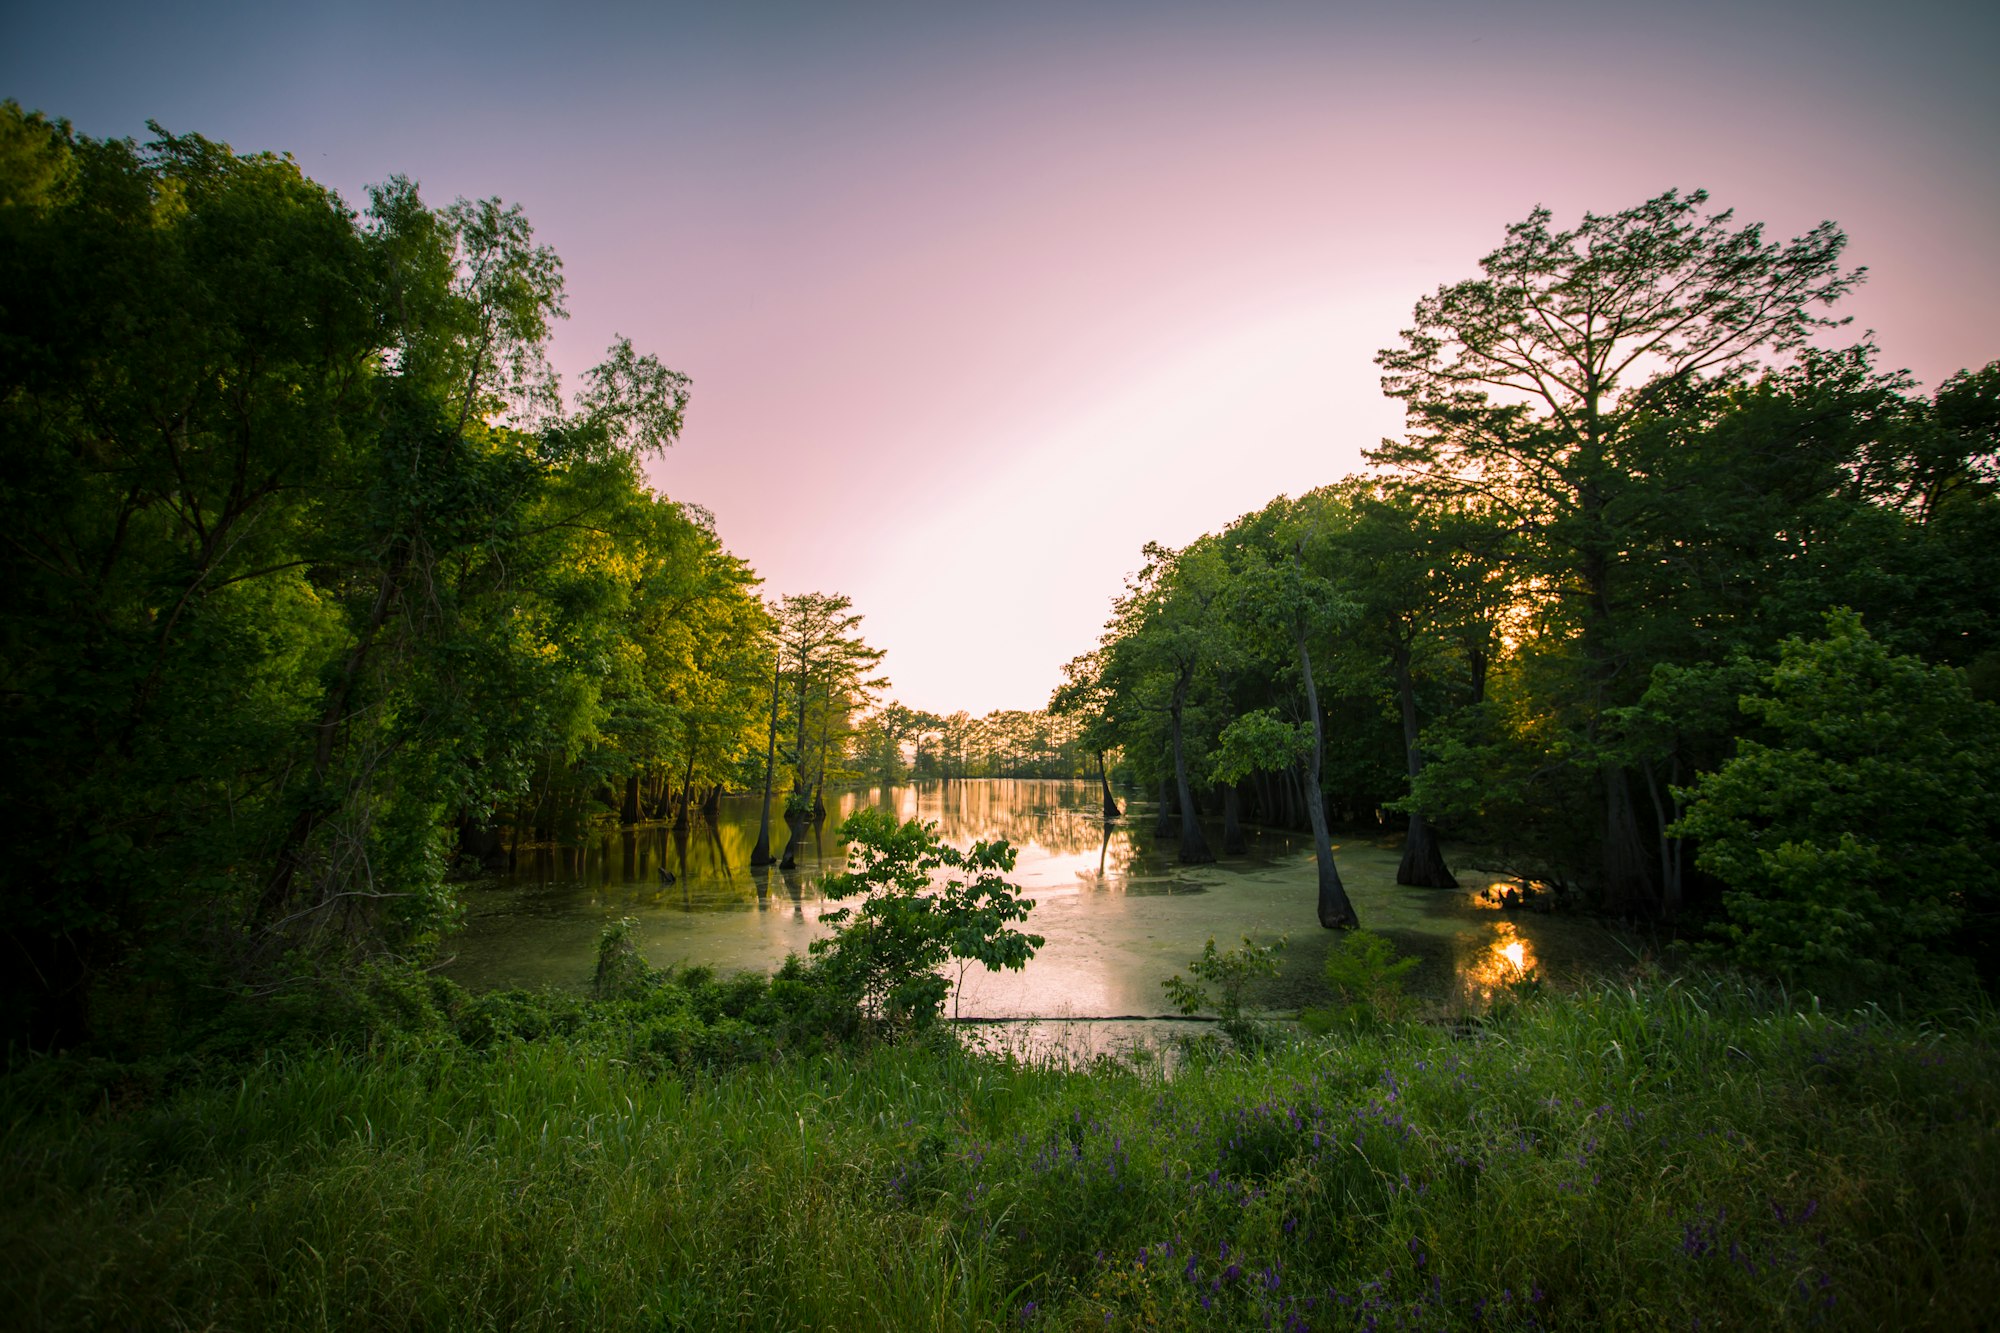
x,y
1367,977
1230,973
1865,839
621,971
924,903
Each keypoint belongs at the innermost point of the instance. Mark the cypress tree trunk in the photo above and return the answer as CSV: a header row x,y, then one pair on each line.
x,y
1336,912
1111,810
1628,887
292,855
1233,843
1423,862
1671,877
687,792
1194,846
545,800
628,813
1628,879
1164,823
760,855
791,857
819,777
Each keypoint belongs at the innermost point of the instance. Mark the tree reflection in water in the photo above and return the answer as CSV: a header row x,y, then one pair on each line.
x,y
1120,914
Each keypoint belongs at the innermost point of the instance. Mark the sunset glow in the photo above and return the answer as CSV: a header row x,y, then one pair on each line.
x,y
976,303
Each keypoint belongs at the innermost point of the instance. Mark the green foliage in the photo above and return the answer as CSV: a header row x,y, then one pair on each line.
x,y
1662,1154
372,586
1258,742
1368,978
1863,835
1219,980
622,972
923,903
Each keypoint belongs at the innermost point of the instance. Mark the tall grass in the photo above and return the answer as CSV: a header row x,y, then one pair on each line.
x,y
1654,1155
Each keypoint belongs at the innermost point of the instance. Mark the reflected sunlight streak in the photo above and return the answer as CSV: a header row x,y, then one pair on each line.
x,y
1502,958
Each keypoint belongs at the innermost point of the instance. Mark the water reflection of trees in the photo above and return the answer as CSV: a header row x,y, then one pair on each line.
x,y
709,864
1057,814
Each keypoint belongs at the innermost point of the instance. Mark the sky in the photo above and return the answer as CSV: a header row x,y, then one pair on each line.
x,y
979,299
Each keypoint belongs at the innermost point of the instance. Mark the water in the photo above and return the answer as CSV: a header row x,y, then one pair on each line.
x,y
1118,912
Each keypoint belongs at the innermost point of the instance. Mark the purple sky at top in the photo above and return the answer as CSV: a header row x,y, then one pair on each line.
x,y
978,299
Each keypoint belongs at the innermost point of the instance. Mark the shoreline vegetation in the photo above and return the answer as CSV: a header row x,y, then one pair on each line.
x,y
1653,1152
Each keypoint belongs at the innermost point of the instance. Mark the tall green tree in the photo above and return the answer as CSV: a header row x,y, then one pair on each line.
x,y
828,667
1165,636
1530,384
309,563
1089,699
188,346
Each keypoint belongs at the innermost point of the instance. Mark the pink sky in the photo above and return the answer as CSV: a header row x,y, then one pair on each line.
x,y
976,304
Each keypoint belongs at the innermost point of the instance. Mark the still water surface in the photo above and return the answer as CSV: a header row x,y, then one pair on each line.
x,y
1118,912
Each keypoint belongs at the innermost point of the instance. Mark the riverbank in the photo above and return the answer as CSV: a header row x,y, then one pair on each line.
x,y
1625,1155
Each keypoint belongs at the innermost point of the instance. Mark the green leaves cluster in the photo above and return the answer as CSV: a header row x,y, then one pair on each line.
x,y
923,904
1367,979
1229,971
1861,832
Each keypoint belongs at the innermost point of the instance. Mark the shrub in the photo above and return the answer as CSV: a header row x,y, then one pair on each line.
x,y
1865,838
1230,973
923,903
621,971
1367,977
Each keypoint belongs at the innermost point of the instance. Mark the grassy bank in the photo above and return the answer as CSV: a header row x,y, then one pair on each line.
x,y
1661,1156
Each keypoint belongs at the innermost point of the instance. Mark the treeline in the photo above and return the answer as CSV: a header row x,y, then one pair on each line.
x,y
317,587
1674,611
895,743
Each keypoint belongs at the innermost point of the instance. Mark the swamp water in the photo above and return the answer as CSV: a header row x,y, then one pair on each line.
x,y
1118,911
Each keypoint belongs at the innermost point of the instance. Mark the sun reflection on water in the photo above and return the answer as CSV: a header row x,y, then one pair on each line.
x,y
1494,961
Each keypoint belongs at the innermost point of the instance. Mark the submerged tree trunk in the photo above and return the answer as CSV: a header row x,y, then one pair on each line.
x,y
760,855
1665,812
1628,880
1194,846
819,777
791,856
1233,843
687,792
1336,912
1111,810
1423,863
